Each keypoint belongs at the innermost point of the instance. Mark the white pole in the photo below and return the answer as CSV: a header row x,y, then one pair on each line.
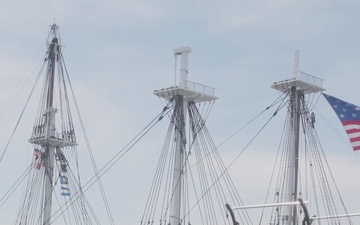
x,y
335,216
267,205
49,165
50,132
184,52
175,216
178,164
297,64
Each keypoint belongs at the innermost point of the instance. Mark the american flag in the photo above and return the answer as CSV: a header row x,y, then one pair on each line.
x,y
349,116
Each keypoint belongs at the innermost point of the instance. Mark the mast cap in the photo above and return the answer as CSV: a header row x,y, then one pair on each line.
x,y
180,50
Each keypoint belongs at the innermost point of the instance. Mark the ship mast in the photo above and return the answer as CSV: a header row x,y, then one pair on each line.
x,y
299,85
182,94
45,135
180,137
50,128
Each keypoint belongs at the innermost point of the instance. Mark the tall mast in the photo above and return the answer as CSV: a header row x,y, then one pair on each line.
x,y
295,105
299,85
45,135
53,52
180,137
50,128
182,94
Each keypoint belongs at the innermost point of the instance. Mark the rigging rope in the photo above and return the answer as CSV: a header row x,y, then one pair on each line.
x,y
233,161
20,117
7,104
17,183
102,191
319,169
272,175
280,98
333,128
115,159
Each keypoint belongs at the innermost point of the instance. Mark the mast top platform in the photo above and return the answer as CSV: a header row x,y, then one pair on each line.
x,y
191,91
307,83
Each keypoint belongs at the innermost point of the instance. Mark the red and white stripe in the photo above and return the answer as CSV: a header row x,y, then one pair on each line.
x,y
352,128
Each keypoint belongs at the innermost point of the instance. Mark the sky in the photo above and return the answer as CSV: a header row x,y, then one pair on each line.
x,y
118,52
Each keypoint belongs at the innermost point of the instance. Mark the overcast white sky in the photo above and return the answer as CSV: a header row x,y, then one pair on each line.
x,y
118,52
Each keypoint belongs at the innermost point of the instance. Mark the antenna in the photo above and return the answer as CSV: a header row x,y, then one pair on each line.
x,y
184,53
296,63
175,68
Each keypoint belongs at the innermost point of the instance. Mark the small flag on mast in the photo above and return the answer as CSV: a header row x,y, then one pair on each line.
x,y
349,116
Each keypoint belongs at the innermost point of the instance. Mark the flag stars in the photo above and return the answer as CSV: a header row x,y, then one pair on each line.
x,y
349,115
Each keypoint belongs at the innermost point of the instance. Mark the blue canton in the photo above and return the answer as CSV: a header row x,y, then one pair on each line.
x,y
344,110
